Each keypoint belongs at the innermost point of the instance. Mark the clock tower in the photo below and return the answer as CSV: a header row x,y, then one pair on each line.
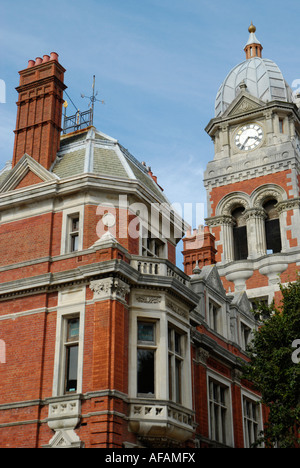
x,y
253,181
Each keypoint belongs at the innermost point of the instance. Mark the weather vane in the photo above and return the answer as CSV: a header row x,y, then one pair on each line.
x,y
92,99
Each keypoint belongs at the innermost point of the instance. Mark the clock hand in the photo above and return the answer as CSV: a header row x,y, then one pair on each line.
x,y
243,145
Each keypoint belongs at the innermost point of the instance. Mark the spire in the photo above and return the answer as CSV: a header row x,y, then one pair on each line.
x,y
253,47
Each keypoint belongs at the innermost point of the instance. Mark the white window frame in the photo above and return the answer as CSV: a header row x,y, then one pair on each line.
x,y
221,319
211,376
246,395
175,358
64,313
244,325
68,215
161,384
148,346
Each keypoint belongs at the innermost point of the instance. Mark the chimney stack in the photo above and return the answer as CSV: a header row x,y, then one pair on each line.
x,y
38,125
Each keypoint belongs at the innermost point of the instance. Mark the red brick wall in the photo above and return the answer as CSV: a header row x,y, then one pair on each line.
x,y
27,239
21,375
29,179
110,346
94,228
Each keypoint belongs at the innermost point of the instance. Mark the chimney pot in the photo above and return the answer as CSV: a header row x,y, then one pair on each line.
x,y
46,58
54,56
38,61
31,63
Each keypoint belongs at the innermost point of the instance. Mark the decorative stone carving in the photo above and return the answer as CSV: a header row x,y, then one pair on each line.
x,y
288,205
220,220
202,356
254,213
148,299
156,421
110,288
63,417
226,207
177,310
267,194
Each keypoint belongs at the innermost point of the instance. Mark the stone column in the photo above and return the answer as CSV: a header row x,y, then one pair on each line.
x,y
228,244
256,236
226,239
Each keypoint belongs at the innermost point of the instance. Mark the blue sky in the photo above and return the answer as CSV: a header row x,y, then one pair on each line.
x,y
158,66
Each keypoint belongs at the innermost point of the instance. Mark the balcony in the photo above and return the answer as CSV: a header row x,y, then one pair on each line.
x,y
158,267
161,423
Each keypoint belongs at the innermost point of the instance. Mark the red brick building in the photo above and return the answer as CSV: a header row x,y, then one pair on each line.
x,y
104,341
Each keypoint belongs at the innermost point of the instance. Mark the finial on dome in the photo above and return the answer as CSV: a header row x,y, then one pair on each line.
x,y
253,47
252,28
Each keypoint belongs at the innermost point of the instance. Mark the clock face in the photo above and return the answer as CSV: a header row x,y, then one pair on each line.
x,y
249,137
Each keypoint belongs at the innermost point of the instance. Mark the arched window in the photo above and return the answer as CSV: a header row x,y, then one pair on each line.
x,y
240,234
272,227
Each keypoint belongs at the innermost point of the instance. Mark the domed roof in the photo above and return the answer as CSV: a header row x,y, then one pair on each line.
x,y
262,77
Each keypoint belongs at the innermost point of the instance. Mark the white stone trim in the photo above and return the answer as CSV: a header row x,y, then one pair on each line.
x,y
71,303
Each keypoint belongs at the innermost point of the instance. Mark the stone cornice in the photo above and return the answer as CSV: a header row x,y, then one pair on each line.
x,y
288,205
244,168
217,122
86,274
83,183
210,347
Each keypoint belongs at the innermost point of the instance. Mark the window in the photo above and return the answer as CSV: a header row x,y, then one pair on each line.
x,y
272,228
72,230
218,412
281,128
215,317
73,233
257,302
245,336
71,346
251,421
146,348
151,247
175,353
240,234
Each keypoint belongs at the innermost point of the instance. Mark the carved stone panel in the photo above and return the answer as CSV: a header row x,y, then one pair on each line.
x,y
110,288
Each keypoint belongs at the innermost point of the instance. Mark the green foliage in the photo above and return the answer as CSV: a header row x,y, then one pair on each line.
x,y
273,372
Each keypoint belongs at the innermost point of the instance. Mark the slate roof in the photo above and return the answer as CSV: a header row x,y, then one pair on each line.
x,y
93,152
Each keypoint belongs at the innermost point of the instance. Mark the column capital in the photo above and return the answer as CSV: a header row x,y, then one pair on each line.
x,y
254,213
220,220
110,288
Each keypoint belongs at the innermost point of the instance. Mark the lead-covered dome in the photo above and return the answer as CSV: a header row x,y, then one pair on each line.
x,y
262,77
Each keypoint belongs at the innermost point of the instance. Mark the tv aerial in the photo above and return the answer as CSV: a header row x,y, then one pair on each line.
x,y
93,99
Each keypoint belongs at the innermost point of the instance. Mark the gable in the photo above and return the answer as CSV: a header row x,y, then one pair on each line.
x,y
244,102
212,278
29,179
242,302
26,173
